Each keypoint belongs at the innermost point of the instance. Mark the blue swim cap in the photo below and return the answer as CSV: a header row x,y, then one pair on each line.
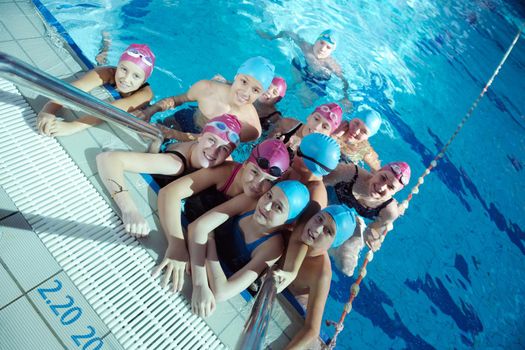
x,y
372,120
260,68
320,153
345,223
298,197
329,35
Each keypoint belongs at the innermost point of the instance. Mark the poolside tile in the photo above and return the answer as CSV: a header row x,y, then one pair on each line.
x,y
30,11
22,328
286,317
106,138
4,33
230,335
7,207
9,290
77,318
222,317
16,22
156,242
15,50
20,245
50,62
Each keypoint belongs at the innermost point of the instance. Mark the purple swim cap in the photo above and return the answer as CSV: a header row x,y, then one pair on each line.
x,y
281,86
271,156
141,55
332,112
226,126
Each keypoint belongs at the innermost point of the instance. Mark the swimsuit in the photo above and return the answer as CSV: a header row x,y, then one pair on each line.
x,y
345,195
315,81
203,201
265,121
164,180
182,120
232,247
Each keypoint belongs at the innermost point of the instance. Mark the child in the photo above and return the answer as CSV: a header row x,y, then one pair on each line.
x,y
126,81
265,104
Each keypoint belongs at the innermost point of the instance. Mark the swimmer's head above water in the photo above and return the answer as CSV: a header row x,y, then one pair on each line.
x,y
219,137
325,119
253,78
318,154
268,161
365,125
275,92
329,228
134,67
325,44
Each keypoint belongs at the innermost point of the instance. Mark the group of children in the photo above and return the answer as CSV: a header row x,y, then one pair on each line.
x,y
241,218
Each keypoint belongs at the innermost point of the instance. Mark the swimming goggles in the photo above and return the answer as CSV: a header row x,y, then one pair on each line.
x,y
327,112
264,164
396,169
136,53
302,155
223,128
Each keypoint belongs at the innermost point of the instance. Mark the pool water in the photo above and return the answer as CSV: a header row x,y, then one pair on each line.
x,y
451,273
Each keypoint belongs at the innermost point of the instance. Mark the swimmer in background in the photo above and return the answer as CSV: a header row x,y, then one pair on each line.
x,y
265,104
319,64
214,98
126,82
355,147
269,115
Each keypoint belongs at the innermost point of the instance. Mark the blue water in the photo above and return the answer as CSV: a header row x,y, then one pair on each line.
x,y
451,273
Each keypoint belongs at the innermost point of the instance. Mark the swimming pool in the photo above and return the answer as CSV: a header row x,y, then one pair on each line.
x,y
443,277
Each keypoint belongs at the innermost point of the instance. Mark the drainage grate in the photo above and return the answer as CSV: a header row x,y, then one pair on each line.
x,y
87,238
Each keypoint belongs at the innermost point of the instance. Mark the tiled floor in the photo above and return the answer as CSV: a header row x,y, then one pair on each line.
x,y
25,263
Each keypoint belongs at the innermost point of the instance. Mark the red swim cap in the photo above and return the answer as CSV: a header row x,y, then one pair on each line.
x,y
271,156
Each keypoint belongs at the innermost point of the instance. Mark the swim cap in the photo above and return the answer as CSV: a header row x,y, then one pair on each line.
x,y
320,153
331,112
141,55
226,126
280,84
260,68
372,120
271,156
345,223
298,197
401,171
329,36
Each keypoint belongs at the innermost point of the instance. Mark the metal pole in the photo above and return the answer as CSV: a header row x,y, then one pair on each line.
x,y
44,84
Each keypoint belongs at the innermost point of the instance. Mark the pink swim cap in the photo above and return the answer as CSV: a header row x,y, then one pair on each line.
x,y
226,126
141,55
401,171
271,156
331,112
280,84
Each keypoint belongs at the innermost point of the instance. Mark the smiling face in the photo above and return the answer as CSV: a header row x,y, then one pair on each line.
x,y
272,208
255,181
323,49
245,89
383,185
319,231
212,150
270,96
317,123
357,131
128,77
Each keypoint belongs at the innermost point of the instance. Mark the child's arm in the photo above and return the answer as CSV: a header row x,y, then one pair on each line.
x,y
343,172
169,203
223,288
372,159
384,222
111,167
202,300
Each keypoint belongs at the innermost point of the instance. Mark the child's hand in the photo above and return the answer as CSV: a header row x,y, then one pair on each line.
x,y
202,301
174,261
373,239
282,279
45,123
135,224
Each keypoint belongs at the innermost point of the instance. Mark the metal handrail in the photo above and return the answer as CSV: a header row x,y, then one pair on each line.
x,y
254,331
24,74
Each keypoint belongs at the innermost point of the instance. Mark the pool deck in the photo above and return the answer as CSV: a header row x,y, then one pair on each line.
x,y
28,264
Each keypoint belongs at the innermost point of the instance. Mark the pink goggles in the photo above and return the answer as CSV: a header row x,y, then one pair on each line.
x,y
223,131
142,56
401,171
